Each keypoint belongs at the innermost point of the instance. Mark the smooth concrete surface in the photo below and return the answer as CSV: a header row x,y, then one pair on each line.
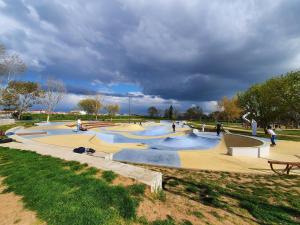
x,y
216,158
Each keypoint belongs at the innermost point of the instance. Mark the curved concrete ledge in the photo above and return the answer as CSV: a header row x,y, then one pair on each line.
x,y
241,145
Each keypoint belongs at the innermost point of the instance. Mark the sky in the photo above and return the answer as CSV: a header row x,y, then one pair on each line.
x,y
179,52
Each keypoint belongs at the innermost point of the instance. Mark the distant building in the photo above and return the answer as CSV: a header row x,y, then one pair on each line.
x,y
78,112
37,111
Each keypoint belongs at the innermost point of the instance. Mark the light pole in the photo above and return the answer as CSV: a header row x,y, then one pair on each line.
x,y
129,107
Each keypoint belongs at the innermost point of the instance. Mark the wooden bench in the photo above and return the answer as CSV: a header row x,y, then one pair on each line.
x,y
288,166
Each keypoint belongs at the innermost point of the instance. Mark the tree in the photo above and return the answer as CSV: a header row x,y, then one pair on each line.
x,y
91,105
274,101
20,96
152,111
230,107
10,65
53,94
193,113
170,113
112,109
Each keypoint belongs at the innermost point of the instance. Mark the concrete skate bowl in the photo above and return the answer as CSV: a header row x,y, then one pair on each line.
x,y
241,145
164,151
156,144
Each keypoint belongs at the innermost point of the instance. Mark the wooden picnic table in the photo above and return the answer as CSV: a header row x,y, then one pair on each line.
x,y
288,166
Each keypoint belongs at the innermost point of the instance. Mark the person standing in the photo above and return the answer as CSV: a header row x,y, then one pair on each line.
x,y
174,127
272,135
203,127
78,124
218,128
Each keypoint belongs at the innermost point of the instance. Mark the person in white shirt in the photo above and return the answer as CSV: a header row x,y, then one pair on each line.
x,y
203,127
272,134
78,124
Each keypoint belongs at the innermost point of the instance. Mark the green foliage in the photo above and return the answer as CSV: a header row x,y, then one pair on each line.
x,y
278,99
90,105
20,96
168,221
193,113
58,117
269,199
191,188
198,214
160,195
109,176
186,222
137,189
152,111
112,109
59,195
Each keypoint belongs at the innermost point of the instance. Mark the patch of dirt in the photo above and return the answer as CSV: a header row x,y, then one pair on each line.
x,y
125,181
12,211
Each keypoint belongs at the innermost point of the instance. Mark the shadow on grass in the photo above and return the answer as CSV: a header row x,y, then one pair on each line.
x,y
285,210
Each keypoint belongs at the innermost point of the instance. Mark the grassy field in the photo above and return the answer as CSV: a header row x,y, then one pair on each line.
x,y
62,192
256,199
67,192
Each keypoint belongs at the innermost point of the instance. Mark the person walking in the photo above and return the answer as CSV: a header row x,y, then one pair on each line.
x,y
272,135
174,127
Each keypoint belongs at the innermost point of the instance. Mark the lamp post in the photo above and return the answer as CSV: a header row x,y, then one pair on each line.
x,y
129,107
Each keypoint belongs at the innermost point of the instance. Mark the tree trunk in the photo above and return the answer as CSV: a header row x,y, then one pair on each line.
x,y
48,118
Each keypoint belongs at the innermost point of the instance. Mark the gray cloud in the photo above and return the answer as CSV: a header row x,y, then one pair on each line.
x,y
190,51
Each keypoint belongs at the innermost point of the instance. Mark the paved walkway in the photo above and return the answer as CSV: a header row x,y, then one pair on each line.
x,y
100,161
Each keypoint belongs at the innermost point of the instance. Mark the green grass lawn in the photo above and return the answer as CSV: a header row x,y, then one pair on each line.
x,y
67,192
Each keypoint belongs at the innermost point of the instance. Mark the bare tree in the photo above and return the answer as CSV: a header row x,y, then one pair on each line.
x,y
11,65
98,103
53,94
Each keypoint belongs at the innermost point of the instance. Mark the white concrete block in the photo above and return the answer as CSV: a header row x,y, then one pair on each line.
x,y
244,151
264,150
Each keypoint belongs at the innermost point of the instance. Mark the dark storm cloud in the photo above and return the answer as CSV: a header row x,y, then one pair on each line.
x,y
183,50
